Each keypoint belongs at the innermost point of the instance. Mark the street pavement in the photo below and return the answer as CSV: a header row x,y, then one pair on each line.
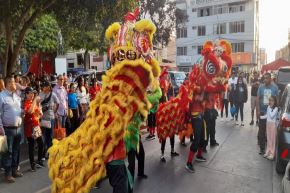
x,y
233,167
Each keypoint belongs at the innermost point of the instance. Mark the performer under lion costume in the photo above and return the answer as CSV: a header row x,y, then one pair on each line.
x,y
209,75
77,162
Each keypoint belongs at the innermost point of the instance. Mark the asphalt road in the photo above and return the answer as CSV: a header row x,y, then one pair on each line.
x,y
233,167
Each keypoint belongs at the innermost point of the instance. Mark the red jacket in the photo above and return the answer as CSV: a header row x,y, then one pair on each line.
x,y
93,92
31,120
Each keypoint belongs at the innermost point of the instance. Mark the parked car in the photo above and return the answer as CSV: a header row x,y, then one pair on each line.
x,y
283,78
89,75
286,180
283,132
176,78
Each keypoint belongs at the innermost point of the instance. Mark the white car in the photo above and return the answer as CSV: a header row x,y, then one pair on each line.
x,y
286,180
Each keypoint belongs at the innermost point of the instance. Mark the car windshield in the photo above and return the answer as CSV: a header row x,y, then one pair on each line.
x,y
284,76
179,76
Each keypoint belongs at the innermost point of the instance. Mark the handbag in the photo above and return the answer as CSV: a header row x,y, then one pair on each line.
x,y
70,113
45,103
36,132
233,110
45,123
59,132
3,144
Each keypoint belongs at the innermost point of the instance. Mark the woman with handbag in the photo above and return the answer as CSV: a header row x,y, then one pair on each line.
x,y
49,104
32,131
240,97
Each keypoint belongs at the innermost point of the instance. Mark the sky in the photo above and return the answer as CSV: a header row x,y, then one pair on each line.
x,y
274,24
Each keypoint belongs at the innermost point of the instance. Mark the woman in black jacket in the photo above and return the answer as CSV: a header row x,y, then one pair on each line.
x,y
240,97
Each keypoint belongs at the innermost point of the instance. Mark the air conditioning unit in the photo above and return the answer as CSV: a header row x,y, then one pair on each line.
x,y
194,27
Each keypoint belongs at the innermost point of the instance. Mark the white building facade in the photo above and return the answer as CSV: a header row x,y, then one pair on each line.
x,y
234,20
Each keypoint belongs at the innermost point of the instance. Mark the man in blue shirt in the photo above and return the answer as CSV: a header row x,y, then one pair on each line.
x,y
10,122
265,91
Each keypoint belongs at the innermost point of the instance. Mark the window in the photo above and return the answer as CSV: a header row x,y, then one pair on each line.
x,y
233,8
238,47
220,28
237,27
80,59
201,31
71,65
181,32
182,51
199,49
221,9
204,11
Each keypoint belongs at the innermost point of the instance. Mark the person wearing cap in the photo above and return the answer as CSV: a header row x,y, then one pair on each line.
x,y
61,94
32,114
10,122
49,103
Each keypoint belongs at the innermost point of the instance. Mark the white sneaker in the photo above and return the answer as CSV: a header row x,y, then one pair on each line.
x,y
242,124
270,157
265,155
237,123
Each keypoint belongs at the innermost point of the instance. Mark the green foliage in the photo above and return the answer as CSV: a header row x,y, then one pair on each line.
x,y
83,30
42,36
162,14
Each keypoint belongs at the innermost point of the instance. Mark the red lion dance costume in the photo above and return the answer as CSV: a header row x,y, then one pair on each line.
x,y
209,76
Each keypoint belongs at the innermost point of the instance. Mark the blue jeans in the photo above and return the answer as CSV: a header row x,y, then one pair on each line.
x,y
62,120
10,158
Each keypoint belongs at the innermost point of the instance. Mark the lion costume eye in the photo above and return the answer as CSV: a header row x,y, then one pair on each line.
x,y
121,55
210,68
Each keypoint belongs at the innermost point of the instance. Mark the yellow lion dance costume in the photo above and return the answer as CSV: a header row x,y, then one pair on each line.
x,y
77,162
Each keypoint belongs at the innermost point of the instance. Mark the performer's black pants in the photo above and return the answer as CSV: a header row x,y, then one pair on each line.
x,y
163,143
141,160
118,178
210,126
198,141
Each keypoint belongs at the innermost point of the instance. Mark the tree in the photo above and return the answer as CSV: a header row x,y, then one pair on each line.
x,y
79,32
42,36
162,14
78,19
17,17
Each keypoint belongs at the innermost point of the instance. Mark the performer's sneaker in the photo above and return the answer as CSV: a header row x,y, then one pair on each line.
x,y
183,144
150,137
214,144
162,159
252,122
190,167
142,176
174,154
39,164
200,159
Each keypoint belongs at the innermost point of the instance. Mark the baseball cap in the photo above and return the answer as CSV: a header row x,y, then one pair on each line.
x,y
29,90
45,84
